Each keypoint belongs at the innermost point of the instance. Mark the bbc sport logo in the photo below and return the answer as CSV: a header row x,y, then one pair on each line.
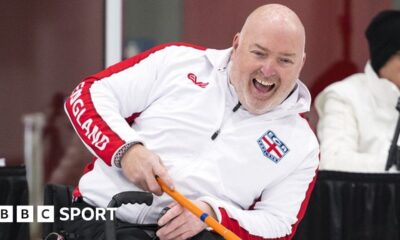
x,y
45,213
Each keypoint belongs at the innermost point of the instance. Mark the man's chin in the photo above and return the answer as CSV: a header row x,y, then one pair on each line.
x,y
258,109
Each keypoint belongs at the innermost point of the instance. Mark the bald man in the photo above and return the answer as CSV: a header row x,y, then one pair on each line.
x,y
223,127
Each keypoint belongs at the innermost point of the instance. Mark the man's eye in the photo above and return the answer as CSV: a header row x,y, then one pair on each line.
x,y
286,60
258,53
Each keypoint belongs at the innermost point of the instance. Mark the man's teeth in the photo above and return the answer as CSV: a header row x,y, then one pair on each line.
x,y
264,83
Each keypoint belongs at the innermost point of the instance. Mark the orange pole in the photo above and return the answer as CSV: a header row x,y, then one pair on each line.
x,y
189,205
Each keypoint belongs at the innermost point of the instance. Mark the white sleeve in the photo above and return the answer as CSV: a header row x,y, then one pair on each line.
x,y
279,209
101,107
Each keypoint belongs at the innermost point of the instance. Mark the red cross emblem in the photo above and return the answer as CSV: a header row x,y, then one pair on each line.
x,y
272,147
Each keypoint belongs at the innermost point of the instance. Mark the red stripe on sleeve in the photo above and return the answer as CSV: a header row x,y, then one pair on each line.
x,y
137,58
76,193
233,225
92,129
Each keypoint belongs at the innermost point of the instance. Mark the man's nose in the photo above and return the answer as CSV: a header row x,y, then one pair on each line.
x,y
268,68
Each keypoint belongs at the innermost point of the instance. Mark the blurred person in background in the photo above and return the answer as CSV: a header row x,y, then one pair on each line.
x,y
357,116
64,155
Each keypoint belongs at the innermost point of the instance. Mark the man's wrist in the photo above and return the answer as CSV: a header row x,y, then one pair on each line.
x,y
121,152
207,208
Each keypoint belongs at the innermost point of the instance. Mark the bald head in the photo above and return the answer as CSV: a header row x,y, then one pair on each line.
x,y
275,16
267,57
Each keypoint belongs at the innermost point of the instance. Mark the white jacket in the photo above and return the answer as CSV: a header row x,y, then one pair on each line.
x,y
183,96
357,119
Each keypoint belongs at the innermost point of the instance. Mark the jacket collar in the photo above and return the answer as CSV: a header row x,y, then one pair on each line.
x,y
219,59
383,90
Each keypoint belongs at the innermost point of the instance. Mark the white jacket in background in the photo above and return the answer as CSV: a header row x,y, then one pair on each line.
x,y
357,120
183,96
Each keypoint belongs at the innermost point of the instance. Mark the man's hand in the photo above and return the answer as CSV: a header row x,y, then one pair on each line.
x,y
179,224
140,166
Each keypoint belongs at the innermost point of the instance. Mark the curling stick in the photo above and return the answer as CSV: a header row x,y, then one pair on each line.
x,y
189,205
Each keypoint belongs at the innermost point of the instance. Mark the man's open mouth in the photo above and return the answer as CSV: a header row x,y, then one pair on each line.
x,y
263,86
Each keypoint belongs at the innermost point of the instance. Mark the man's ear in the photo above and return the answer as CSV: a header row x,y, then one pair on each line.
x,y
235,42
304,60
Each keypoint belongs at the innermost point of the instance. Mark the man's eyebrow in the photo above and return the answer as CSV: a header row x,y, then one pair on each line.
x,y
262,48
281,53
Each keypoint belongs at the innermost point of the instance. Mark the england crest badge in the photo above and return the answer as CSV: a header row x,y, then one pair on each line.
x,y
272,147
